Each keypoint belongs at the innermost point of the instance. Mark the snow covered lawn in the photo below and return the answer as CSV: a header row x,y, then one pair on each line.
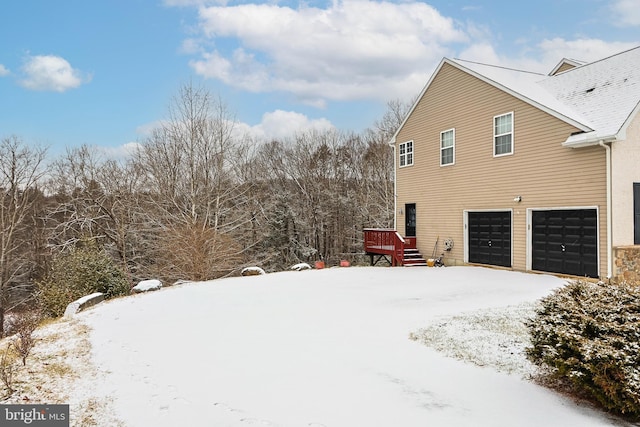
x,y
318,348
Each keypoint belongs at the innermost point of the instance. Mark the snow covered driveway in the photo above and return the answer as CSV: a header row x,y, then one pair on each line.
x,y
315,348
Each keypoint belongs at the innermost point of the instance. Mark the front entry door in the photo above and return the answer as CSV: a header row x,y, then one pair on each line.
x,y
410,220
636,213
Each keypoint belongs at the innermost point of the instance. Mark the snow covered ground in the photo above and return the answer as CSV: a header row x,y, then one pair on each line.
x,y
327,348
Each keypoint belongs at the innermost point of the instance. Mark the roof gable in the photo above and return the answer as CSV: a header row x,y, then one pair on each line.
x,y
606,92
524,85
599,98
564,65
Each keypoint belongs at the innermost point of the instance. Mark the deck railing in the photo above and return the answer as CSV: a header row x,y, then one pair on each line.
x,y
385,241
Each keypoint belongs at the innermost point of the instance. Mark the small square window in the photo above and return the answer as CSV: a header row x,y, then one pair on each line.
x,y
447,147
503,134
405,151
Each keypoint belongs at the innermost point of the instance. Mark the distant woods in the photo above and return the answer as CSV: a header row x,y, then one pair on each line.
x,y
197,200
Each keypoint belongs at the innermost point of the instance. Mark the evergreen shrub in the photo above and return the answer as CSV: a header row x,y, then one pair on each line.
x,y
589,333
82,271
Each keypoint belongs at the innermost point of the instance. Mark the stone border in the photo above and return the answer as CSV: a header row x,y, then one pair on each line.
x,y
83,303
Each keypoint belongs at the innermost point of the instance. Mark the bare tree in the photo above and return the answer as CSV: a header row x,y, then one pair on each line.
x,y
20,172
313,184
191,171
97,199
376,195
376,166
396,112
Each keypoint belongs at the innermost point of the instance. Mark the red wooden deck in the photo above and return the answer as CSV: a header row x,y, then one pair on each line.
x,y
386,241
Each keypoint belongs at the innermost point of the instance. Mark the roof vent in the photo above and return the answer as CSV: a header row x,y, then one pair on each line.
x,y
590,90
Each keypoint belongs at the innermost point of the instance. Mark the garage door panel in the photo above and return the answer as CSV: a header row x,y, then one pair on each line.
x,y
489,238
565,241
573,267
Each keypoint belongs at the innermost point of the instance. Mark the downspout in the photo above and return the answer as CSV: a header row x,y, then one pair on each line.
x,y
609,213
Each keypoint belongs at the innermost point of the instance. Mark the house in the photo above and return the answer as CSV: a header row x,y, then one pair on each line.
x,y
527,171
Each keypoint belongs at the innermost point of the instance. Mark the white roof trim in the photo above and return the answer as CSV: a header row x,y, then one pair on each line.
x,y
587,139
495,84
523,98
622,133
573,62
418,99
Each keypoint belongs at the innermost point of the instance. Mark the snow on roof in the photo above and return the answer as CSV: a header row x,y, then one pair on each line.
x,y
599,98
600,95
606,92
525,85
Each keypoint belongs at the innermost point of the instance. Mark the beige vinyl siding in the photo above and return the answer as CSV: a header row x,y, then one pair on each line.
x,y
541,171
564,67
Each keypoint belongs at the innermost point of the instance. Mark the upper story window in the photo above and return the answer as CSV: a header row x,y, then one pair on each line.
x,y
503,134
406,153
447,147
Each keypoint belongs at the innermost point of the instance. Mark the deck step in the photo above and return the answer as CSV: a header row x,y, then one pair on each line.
x,y
413,258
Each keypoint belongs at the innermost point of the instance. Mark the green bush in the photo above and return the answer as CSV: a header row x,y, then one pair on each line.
x,y
81,272
589,333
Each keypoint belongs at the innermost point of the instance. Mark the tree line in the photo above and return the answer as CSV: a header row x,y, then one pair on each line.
x,y
195,201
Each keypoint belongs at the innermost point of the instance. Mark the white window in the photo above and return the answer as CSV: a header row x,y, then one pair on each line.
x,y
406,153
503,134
447,147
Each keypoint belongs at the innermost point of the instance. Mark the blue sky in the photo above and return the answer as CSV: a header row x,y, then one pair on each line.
x,y
103,72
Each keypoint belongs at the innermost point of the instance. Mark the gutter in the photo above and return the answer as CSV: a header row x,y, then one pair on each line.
x,y
609,208
588,140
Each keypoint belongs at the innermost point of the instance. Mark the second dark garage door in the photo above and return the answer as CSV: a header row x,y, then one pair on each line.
x,y
565,241
490,238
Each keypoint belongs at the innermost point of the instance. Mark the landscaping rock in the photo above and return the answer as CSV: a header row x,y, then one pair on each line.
x,y
252,271
146,286
301,266
83,303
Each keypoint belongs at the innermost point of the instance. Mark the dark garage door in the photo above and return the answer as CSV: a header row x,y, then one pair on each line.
x,y
490,238
565,241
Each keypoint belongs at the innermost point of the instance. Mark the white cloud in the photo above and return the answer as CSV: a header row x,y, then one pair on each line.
x,y
546,54
190,47
147,129
357,49
354,49
277,124
4,71
184,3
51,73
119,152
627,11
581,49
280,125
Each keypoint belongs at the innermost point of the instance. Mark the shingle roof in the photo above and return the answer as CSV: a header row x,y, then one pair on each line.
x,y
606,92
599,98
526,86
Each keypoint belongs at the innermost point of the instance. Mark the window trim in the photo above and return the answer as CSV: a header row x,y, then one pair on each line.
x,y
452,147
512,133
406,154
